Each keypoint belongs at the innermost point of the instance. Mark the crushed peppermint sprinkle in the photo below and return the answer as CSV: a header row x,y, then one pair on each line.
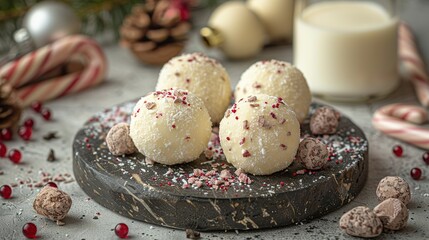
x,y
246,153
246,125
149,105
252,99
254,105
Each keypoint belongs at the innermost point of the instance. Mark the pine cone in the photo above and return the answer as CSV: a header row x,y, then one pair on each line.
x,y
10,107
154,31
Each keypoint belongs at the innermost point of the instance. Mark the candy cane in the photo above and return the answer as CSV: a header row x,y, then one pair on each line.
x,y
394,120
22,72
413,64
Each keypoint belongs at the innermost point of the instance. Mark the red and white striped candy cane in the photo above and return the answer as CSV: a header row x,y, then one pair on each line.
x,y
396,121
21,72
413,64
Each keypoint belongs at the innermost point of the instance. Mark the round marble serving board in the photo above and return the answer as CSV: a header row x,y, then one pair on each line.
x,y
156,195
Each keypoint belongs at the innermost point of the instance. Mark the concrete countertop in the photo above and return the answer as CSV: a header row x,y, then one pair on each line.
x,y
127,79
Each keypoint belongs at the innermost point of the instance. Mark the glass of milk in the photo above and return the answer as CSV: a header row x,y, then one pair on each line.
x,y
347,50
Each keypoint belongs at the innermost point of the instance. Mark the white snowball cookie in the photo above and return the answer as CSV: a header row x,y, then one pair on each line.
x,y
260,134
201,75
170,126
280,79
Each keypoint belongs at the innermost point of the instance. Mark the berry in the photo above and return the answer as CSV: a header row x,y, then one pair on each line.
x,y
25,132
29,230
425,157
51,184
416,173
397,150
46,114
29,122
6,134
6,191
37,106
121,230
15,156
3,150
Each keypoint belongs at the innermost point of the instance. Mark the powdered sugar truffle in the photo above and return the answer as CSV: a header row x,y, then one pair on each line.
x,y
260,134
201,75
170,126
280,79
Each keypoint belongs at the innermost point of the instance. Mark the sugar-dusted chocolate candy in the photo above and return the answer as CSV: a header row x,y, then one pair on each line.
x,y
393,187
361,222
312,153
119,141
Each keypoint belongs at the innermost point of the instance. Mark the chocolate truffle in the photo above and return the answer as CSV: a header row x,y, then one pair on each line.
x,y
279,79
361,222
119,141
393,213
170,126
312,153
52,203
324,121
260,134
393,187
202,76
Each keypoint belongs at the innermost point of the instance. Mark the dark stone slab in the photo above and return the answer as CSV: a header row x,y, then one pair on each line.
x,y
155,194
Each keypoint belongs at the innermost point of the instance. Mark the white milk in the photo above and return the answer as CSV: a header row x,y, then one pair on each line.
x,y
347,49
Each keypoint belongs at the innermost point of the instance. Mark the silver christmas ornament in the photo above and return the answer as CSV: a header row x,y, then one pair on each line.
x,y
45,22
49,20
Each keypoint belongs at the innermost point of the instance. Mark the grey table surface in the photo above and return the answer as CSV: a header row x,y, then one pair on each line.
x,y
127,79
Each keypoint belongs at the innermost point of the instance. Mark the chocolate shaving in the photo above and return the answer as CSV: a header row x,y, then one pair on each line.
x,y
150,105
254,105
263,123
256,85
51,156
246,125
192,234
50,136
227,113
177,100
252,99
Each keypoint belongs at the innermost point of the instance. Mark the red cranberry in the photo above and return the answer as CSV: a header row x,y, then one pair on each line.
x,y
6,191
51,184
3,150
121,230
6,134
15,156
29,230
46,114
416,173
37,106
397,150
29,122
25,132
425,157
